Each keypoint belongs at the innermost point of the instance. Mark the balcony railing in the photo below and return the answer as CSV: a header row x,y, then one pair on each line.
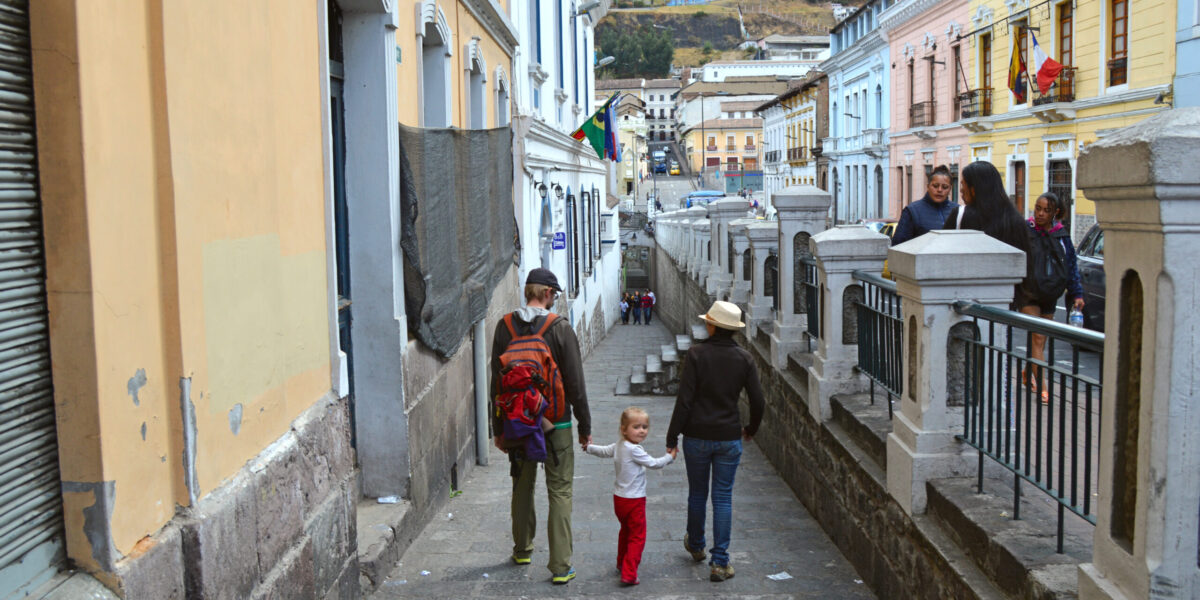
x,y
975,103
751,147
921,114
1063,89
797,153
772,156
1117,71
711,148
731,147
873,137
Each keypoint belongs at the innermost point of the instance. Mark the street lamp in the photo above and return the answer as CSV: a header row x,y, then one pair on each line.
x,y
558,191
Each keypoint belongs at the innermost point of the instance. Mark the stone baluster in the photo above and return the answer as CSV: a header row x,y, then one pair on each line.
x,y
801,211
739,291
839,252
932,273
764,241
1146,187
720,214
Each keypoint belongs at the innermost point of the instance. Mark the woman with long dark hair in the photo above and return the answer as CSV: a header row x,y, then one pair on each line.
x,y
987,208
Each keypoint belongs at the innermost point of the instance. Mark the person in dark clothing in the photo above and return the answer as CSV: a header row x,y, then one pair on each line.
x,y
987,208
929,212
635,305
541,288
715,372
647,306
1044,225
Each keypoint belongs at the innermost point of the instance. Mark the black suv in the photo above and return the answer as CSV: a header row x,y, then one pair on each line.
x,y
1091,273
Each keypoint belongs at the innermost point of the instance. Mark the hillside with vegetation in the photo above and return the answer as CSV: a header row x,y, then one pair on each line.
x,y
701,33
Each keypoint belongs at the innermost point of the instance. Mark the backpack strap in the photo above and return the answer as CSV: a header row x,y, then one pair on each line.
x,y
546,325
508,323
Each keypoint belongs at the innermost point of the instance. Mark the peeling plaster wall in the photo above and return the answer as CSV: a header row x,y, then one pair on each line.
x,y
185,242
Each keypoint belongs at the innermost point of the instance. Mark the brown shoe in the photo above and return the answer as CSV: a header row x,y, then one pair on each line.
x,y
697,555
720,573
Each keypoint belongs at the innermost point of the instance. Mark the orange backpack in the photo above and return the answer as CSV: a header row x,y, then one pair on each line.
x,y
533,351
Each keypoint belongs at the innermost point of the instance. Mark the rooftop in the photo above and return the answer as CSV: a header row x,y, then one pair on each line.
x,y
737,86
716,124
778,38
619,84
740,105
663,84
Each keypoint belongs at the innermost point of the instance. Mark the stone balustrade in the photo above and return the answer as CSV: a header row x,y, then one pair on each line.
x,y
764,244
720,214
801,211
739,290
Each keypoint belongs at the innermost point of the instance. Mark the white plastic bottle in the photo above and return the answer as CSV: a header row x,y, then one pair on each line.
x,y
1076,318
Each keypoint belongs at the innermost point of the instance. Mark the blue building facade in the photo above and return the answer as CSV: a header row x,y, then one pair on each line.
x,y
1187,54
859,75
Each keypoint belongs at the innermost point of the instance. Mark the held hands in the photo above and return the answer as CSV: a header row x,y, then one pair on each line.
x,y
1079,304
746,434
585,441
673,452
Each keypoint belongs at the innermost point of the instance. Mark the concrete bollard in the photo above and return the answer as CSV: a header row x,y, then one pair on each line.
x,y
932,272
839,252
1146,187
801,210
764,241
720,214
739,290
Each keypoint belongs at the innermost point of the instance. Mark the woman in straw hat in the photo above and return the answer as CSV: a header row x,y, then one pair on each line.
x,y
715,372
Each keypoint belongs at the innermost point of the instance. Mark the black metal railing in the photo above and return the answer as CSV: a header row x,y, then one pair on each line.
x,y
771,279
1063,89
1038,418
921,114
975,103
812,300
880,335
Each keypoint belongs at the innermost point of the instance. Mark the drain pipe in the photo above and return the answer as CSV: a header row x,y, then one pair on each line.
x,y
482,439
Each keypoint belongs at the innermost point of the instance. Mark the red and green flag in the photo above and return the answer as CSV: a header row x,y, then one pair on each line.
x,y
600,130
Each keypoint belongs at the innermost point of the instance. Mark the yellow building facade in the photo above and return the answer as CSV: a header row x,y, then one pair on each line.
x,y
1119,57
725,145
800,126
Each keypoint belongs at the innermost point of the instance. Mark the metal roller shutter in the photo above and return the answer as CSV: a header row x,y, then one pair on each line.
x,y
31,544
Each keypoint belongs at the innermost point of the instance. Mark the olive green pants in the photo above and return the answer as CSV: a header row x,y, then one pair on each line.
x,y
558,491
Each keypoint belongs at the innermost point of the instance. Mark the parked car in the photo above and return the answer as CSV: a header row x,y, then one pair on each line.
x,y
660,167
701,197
881,226
1090,253
674,170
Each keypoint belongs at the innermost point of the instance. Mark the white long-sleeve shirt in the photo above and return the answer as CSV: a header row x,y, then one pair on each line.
x,y
631,462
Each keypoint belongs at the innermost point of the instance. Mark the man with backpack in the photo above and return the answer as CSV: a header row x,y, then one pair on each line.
x,y
535,355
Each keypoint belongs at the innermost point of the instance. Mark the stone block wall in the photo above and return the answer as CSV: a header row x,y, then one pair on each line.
x,y
282,527
680,298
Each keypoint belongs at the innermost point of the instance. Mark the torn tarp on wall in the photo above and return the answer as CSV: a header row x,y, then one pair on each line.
x,y
458,229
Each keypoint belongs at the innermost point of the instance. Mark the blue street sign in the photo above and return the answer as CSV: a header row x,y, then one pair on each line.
x,y
560,241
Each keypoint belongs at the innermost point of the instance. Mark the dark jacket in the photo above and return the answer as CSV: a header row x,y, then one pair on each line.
x,y
1059,234
715,372
564,347
1016,237
921,217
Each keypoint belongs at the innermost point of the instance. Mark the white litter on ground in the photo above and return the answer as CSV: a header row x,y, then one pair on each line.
x,y
424,573
780,576
485,575
858,581
449,516
389,500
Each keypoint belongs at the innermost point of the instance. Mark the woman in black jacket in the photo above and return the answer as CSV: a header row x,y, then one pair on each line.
x,y
715,372
987,208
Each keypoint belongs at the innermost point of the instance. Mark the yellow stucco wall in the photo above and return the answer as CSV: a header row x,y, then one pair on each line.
x,y
1151,63
463,27
180,148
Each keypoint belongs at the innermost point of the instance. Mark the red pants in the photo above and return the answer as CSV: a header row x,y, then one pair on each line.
x,y
631,512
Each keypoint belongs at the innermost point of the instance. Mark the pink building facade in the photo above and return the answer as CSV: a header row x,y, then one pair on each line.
x,y
930,67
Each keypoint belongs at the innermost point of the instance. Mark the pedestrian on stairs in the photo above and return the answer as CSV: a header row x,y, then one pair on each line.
x,y
647,305
653,301
715,372
636,306
625,309
541,289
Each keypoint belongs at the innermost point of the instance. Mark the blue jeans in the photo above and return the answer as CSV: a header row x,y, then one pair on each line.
x,y
719,460
637,315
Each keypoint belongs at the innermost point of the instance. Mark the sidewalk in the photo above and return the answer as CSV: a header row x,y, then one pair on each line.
x,y
466,549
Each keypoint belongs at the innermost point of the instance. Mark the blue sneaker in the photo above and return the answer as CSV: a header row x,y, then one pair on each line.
x,y
563,578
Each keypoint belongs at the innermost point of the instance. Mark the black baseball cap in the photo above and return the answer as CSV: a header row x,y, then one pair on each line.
x,y
544,277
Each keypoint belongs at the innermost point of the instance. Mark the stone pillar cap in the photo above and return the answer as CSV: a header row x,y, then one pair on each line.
x,y
696,211
763,231
739,225
727,207
851,241
800,197
958,255
1163,149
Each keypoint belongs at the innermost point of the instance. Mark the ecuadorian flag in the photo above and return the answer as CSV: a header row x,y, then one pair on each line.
x,y
1017,75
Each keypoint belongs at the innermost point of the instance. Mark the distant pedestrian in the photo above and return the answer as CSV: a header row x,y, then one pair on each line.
x,y
629,491
715,372
625,309
647,306
635,305
653,301
567,396
930,211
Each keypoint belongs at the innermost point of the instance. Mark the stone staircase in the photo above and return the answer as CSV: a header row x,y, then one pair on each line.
x,y
659,376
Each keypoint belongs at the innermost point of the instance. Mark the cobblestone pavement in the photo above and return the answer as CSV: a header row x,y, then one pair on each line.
x,y
464,552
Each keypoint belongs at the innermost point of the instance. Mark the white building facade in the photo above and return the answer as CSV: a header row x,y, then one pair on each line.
x,y
859,107
660,109
774,147
721,70
561,187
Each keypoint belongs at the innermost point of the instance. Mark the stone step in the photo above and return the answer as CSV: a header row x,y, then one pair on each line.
x,y
699,332
653,364
623,387
669,354
682,343
639,383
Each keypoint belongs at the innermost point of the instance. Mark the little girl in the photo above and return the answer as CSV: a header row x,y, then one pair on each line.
x,y
629,491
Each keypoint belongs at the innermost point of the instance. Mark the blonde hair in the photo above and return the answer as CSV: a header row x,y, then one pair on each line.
x,y
631,413
534,291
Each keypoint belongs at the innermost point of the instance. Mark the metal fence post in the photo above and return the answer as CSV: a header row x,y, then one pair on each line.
x,y
932,272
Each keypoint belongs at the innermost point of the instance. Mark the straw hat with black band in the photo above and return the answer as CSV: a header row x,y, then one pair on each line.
x,y
725,315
